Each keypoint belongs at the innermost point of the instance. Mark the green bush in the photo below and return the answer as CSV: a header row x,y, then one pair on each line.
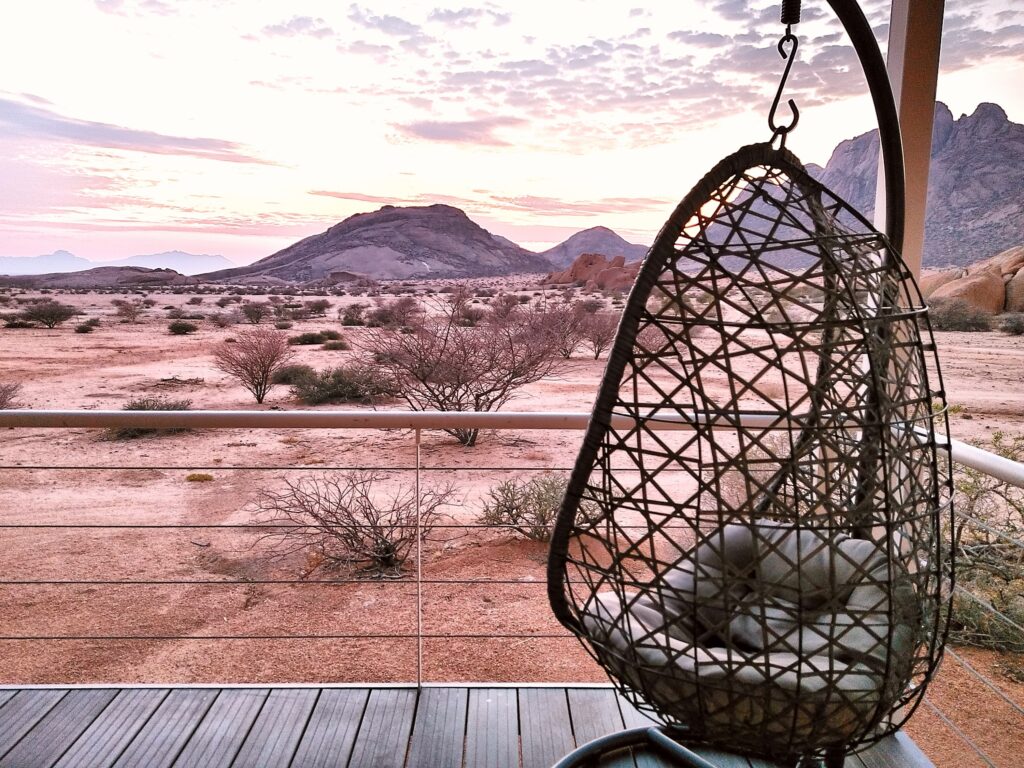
x,y
290,374
989,556
338,345
1012,323
314,337
199,477
148,404
283,325
528,507
356,383
957,315
182,327
84,328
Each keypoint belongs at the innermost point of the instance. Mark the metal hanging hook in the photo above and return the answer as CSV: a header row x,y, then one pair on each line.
x,y
781,130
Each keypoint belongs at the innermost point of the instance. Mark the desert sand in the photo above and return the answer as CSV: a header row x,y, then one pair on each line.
x,y
78,478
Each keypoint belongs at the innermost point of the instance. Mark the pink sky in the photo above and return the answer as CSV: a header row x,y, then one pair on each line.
x,y
137,126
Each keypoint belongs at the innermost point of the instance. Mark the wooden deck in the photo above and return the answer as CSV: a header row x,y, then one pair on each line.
x,y
382,727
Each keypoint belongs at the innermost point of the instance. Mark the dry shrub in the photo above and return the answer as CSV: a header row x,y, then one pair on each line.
x,y
957,315
9,392
528,507
346,521
148,404
253,357
442,365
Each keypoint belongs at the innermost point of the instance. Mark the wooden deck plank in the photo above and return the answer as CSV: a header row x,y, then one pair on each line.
x,y
22,712
492,728
358,728
897,751
158,742
439,732
107,736
384,733
218,738
59,729
331,732
275,735
595,713
634,718
544,726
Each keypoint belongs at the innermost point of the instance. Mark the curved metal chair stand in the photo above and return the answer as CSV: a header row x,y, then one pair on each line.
x,y
755,558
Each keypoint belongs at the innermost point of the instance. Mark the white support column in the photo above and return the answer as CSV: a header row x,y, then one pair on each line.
x,y
915,38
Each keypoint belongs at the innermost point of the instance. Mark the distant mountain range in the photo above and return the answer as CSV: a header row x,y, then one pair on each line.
x,y
394,242
975,185
63,261
975,210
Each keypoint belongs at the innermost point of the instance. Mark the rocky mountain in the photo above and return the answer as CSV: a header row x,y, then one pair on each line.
x,y
63,261
976,184
102,277
594,240
394,242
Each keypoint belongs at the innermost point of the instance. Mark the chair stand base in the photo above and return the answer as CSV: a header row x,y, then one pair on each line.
x,y
652,736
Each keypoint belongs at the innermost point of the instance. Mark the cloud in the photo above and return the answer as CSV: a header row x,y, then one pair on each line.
x,y
299,26
460,131
44,124
699,39
359,196
138,7
389,25
467,17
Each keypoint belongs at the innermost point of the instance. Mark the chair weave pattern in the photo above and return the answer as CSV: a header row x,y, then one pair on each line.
x,y
752,550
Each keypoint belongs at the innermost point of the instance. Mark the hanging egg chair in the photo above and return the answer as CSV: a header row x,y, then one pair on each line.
x,y
750,541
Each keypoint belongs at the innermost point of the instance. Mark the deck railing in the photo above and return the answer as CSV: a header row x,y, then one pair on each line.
x,y
416,423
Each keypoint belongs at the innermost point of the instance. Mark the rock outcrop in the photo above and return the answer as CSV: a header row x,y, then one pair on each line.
x,y
594,271
594,240
994,285
975,186
394,242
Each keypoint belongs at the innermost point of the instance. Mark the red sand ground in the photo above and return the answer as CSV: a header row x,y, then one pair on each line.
x,y
146,484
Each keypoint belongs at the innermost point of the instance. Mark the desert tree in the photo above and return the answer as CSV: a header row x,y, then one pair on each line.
x,y
347,519
445,366
317,307
9,392
48,313
565,326
503,305
599,331
256,312
253,358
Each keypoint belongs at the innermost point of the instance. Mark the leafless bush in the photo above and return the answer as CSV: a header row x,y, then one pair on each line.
x,y
566,328
397,313
448,367
599,331
253,358
346,521
9,392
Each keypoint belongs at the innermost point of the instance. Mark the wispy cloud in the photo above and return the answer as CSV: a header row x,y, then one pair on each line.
x,y
138,7
43,124
468,17
389,25
299,26
462,131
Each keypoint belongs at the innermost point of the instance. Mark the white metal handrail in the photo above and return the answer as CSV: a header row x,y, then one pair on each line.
x,y
962,453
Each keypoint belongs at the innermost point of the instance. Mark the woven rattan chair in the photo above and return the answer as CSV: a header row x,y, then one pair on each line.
x,y
749,544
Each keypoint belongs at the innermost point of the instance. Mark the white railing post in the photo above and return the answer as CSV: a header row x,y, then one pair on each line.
x,y
419,571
